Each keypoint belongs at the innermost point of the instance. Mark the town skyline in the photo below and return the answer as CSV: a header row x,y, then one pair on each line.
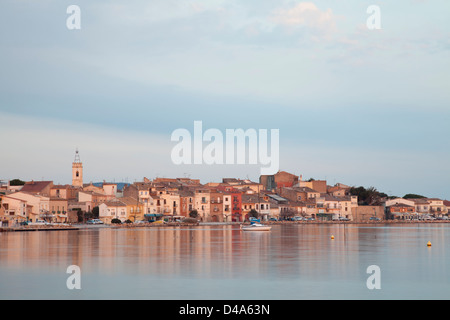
x,y
282,196
218,179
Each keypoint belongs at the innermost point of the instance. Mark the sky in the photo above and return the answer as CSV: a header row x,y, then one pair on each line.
x,y
352,105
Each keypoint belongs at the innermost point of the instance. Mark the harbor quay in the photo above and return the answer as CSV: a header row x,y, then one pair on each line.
x,y
68,227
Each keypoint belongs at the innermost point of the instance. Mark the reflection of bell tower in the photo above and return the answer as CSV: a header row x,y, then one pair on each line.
x,y
77,171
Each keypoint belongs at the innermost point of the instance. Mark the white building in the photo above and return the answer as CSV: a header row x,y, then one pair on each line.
x,y
112,210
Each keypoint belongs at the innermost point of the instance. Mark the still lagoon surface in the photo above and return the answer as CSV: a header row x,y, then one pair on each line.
x,y
295,261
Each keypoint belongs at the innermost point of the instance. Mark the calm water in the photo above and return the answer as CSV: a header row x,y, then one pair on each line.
x,y
222,262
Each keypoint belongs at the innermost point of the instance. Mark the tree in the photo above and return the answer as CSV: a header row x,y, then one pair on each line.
x,y
253,213
16,182
95,212
193,214
369,197
412,196
80,215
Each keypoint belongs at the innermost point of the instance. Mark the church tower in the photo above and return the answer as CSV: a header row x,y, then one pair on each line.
x,y
77,171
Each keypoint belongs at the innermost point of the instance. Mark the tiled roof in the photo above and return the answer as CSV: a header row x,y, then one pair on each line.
x,y
35,186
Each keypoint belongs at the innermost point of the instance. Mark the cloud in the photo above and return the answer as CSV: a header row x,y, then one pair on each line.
x,y
306,14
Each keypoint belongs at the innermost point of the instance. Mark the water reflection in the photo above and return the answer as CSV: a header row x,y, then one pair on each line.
x,y
300,256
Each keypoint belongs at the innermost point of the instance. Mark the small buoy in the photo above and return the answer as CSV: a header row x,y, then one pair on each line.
x,y
332,237
429,244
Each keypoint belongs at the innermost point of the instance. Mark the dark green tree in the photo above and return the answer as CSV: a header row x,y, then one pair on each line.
x,y
16,182
253,213
368,197
193,214
412,196
95,212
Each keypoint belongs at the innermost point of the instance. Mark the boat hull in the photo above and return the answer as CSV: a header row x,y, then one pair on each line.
x,y
256,228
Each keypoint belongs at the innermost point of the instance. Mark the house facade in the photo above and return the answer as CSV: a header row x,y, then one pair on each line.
x,y
110,210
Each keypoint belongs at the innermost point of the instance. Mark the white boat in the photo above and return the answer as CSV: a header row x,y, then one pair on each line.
x,y
256,227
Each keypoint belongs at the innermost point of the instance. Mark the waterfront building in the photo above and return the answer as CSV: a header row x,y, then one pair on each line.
x,y
257,202
170,202
186,202
135,209
25,205
422,205
401,211
13,209
437,207
216,206
110,210
447,205
58,209
284,209
202,204
92,199
226,196
366,213
331,207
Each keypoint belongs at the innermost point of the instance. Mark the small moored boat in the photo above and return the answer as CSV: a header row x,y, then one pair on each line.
x,y
256,227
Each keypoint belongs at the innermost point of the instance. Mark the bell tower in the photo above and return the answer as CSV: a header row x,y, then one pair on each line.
x,y
77,171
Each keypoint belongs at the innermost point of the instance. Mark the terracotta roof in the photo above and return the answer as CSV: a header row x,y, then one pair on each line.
x,y
115,204
129,201
35,186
